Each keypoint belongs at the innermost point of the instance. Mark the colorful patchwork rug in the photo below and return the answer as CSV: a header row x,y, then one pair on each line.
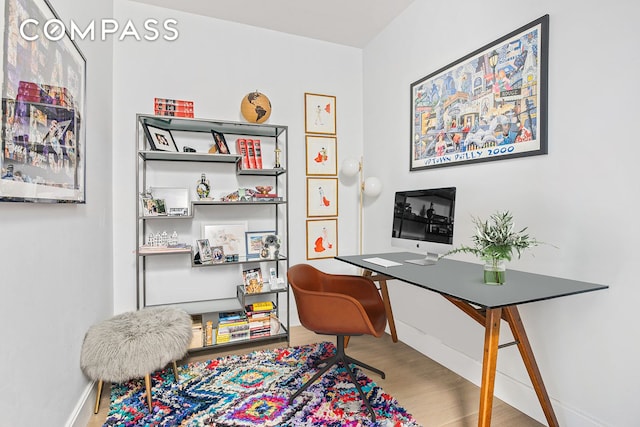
x,y
253,390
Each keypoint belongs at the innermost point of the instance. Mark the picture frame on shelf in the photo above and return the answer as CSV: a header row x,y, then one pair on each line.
x,y
217,254
220,142
148,207
321,155
322,238
159,139
231,236
42,159
252,280
161,207
322,197
254,241
204,250
319,114
489,105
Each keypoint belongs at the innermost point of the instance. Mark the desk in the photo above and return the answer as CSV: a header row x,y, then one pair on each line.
x,y
461,283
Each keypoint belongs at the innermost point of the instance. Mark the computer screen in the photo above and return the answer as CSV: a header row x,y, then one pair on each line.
x,y
423,221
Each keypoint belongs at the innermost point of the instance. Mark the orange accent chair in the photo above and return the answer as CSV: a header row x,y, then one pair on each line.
x,y
340,305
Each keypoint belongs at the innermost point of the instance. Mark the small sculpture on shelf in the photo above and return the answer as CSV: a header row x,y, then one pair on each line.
x,y
270,247
203,188
277,162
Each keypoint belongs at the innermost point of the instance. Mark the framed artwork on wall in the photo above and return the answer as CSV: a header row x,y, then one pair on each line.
x,y
42,157
322,238
319,114
322,197
489,105
159,139
321,153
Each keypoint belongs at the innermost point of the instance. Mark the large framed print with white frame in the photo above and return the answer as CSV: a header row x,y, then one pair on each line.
x,y
488,105
43,104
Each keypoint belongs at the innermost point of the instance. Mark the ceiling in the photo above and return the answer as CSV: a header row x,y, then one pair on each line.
x,y
347,22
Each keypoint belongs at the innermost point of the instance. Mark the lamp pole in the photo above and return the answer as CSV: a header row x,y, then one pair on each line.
x,y
493,61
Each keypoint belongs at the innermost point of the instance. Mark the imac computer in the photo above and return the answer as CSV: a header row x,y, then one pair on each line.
x,y
423,221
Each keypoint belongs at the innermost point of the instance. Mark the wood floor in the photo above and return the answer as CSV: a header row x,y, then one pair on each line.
x,y
435,396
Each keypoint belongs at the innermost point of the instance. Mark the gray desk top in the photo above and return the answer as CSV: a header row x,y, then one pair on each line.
x,y
463,280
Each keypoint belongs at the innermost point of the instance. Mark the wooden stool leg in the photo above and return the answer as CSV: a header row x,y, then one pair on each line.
x,y
98,395
175,372
147,383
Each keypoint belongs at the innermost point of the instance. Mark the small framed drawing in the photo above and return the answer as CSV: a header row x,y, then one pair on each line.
x,y
322,197
204,250
159,139
221,142
321,155
255,242
230,236
149,207
319,114
322,238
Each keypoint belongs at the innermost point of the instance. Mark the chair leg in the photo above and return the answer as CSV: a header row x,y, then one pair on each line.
x,y
98,395
364,365
147,383
329,364
364,398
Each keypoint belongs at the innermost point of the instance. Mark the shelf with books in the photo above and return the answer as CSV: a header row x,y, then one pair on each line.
x,y
190,155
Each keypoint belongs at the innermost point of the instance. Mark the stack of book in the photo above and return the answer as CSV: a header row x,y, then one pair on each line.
x,y
251,152
232,326
172,107
259,316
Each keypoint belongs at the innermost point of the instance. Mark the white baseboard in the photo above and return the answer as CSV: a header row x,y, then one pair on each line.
x,y
515,393
84,408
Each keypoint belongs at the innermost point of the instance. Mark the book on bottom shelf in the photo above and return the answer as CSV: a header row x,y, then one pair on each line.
x,y
197,340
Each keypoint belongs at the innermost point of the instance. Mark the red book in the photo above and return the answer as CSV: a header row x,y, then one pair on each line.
x,y
251,154
241,149
167,101
257,153
173,113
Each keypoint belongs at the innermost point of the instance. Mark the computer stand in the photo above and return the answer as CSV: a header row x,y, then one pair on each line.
x,y
429,259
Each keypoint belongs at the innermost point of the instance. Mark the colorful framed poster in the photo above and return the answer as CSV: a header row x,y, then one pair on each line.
x,y
489,105
322,238
321,153
42,157
322,197
319,114
255,242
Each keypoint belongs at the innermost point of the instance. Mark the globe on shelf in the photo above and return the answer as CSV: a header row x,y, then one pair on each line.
x,y
255,107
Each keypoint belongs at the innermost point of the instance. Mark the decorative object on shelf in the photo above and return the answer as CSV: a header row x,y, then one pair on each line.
x,y
495,242
370,187
220,142
255,243
43,109
160,139
252,280
240,195
255,107
277,152
322,238
458,117
320,114
321,155
322,197
204,251
271,243
172,107
217,254
203,188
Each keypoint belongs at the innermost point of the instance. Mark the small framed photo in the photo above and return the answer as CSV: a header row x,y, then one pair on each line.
x,y
322,197
178,211
160,139
217,254
252,280
161,207
322,238
149,207
255,243
204,250
221,142
321,155
319,114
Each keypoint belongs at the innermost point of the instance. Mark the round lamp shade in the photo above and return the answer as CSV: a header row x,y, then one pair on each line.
x,y
372,186
255,107
350,167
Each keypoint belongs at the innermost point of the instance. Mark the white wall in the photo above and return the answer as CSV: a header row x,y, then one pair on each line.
x,y
582,197
57,267
215,63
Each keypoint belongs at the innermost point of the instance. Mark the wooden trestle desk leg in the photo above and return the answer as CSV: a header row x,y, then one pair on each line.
x,y
489,364
384,293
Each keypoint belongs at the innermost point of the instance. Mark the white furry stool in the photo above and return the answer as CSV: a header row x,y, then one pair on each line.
x,y
135,344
